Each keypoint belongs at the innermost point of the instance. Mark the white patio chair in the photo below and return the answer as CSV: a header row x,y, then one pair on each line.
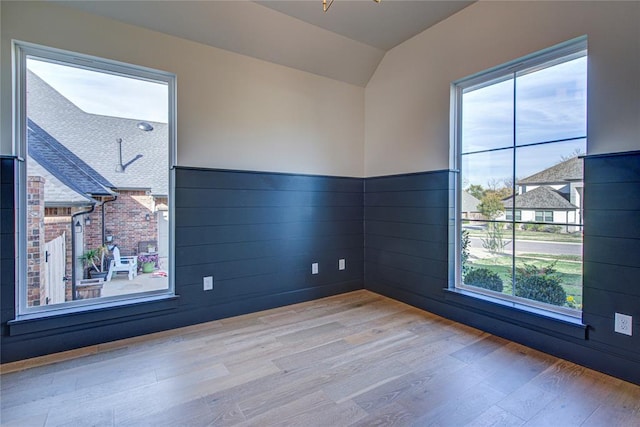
x,y
123,263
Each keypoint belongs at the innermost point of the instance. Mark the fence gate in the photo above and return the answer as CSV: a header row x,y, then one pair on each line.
x,y
55,260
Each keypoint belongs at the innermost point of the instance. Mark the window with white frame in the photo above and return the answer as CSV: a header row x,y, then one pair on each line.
x,y
95,188
544,216
510,215
520,131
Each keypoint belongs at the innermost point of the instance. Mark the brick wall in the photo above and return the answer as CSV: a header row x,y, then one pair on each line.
x,y
54,227
125,220
35,240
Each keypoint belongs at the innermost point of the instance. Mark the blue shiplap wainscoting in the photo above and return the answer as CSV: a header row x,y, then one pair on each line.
x,y
612,252
406,259
7,242
406,233
256,233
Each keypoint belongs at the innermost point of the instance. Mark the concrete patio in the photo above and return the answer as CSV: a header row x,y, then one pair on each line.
x,y
143,282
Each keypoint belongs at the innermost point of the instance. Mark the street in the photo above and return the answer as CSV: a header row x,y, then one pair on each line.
x,y
534,247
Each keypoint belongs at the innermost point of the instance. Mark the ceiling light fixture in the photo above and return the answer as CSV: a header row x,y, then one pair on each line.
x,y
326,5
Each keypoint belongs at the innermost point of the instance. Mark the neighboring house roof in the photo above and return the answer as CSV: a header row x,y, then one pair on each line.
x,y
63,165
469,202
569,170
540,198
92,138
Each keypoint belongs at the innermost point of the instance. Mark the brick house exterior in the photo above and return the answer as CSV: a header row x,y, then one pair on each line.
x,y
125,220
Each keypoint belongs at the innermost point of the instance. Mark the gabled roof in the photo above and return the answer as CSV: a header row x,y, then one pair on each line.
x,y
569,170
540,198
65,166
469,202
92,138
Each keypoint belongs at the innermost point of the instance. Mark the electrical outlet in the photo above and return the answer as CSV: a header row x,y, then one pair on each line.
x,y
314,268
341,264
623,323
207,283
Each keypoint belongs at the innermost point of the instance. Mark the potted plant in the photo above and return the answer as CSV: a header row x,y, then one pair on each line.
x,y
148,262
94,260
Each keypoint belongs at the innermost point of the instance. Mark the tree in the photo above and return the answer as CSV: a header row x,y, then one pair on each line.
x,y
494,241
476,191
575,153
491,205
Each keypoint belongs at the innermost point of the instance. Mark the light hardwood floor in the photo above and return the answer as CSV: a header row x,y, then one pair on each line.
x,y
354,359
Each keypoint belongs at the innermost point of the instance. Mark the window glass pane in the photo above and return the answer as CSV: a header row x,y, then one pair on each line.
x,y
548,263
487,178
550,177
487,255
98,184
551,103
487,117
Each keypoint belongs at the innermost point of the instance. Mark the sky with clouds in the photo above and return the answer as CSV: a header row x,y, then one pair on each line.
x,y
106,94
550,105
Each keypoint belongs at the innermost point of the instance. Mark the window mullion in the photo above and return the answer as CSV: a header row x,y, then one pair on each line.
x,y
513,177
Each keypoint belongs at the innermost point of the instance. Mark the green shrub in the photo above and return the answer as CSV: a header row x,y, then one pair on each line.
x,y
540,284
483,278
551,228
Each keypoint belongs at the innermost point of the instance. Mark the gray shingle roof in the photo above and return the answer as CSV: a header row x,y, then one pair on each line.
x,y
63,164
569,170
92,138
469,202
540,198
57,193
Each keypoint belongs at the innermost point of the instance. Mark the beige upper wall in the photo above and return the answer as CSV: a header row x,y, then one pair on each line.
x,y
234,111
407,101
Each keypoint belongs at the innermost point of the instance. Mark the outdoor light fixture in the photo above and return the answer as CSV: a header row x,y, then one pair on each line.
x,y
87,221
326,5
147,217
78,227
145,126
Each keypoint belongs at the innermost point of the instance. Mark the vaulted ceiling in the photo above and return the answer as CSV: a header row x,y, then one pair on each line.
x,y
346,43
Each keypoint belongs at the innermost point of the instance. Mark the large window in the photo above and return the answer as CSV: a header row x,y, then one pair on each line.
x,y
94,217
520,130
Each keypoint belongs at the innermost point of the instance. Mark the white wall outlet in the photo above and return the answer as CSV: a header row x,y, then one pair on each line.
x,y
623,323
208,283
314,268
342,264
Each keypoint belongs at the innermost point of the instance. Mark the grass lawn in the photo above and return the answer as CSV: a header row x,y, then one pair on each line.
x,y
569,269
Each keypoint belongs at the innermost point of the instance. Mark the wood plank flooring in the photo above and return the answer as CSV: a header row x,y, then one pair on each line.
x,y
355,359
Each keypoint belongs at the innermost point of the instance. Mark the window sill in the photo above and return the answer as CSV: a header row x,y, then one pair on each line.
x,y
84,317
547,322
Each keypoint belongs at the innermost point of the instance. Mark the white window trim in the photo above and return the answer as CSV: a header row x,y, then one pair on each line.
x,y
529,63
20,51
